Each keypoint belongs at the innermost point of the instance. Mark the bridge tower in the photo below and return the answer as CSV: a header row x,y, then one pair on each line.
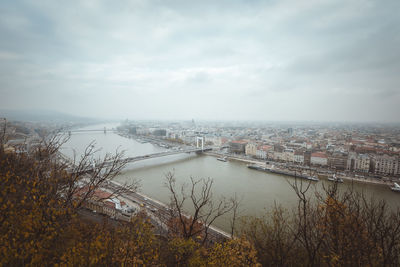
x,y
105,130
200,138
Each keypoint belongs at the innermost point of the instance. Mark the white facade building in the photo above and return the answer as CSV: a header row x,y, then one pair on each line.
x,y
319,158
251,149
358,162
288,155
386,164
299,157
264,152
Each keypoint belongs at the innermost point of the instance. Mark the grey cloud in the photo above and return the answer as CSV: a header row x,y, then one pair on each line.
x,y
262,56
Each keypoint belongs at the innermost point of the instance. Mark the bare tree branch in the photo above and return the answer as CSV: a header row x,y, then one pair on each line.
x,y
205,210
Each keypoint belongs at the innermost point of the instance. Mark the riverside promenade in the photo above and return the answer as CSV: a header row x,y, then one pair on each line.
x,y
320,171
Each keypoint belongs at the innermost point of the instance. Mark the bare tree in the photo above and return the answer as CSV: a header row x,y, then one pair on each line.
x,y
305,221
205,210
236,202
84,175
3,136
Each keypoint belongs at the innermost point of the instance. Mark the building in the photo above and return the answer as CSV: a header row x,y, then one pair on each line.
x,y
19,145
263,152
307,158
337,161
109,209
251,149
319,158
299,157
277,154
132,129
214,140
307,145
288,155
237,146
358,162
93,205
104,203
142,131
386,164
160,132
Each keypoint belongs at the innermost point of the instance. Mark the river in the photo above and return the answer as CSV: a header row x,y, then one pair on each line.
x,y
259,190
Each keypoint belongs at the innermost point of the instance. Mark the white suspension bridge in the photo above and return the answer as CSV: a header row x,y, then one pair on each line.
x,y
198,149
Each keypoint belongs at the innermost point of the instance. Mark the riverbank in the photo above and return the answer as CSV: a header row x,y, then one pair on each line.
x,y
162,143
262,162
160,208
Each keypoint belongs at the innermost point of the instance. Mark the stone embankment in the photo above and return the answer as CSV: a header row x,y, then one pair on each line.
x,y
321,172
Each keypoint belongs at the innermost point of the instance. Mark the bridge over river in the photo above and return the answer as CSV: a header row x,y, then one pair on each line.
x,y
163,154
144,157
105,130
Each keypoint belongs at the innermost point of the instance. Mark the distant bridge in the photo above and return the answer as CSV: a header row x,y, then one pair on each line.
x,y
162,154
105,130
98,130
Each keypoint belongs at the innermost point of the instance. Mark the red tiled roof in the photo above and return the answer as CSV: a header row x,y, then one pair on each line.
x,y
266,147
357,141
239,142
318,155
99,194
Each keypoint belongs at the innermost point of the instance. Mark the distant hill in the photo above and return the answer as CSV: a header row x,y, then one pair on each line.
x,y
42,116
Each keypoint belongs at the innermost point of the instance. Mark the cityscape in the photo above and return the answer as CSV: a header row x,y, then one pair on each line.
x,y
365,150
361,151
200,133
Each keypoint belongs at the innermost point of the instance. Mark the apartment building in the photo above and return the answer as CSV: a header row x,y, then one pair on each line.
x,y
319,158
386,164
299,157
238,146
337,161
251,149
263,151
358,162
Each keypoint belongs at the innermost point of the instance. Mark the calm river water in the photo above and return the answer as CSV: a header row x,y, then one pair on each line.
x,y
258,190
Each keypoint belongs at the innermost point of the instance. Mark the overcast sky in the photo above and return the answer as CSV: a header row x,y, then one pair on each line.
x,y
333,60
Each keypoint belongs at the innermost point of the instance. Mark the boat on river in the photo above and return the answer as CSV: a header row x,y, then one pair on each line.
x,y
335,179
272,169
396,187
222,159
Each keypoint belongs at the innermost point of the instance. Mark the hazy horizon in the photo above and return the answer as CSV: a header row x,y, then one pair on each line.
x,y
309,61
46,115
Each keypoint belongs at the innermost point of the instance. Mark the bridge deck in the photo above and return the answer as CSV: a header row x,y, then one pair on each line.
x,y
162,154
89,130
157,155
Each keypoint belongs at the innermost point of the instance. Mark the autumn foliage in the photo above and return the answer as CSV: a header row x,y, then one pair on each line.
x,y
40,224
333,229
